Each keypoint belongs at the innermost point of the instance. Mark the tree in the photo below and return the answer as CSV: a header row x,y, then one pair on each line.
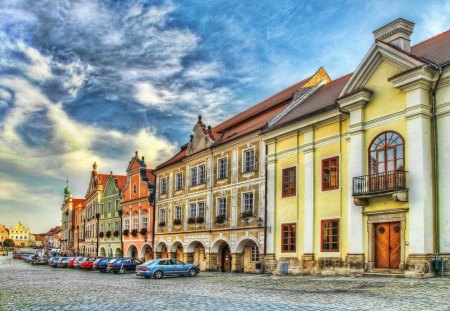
x,y
8,243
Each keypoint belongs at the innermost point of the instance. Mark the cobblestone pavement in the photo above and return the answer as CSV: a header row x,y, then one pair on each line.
x,y
26,287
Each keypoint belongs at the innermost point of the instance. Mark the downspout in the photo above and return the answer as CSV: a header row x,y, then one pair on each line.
x,y
211,207
120,232
265,210
153,204
435,162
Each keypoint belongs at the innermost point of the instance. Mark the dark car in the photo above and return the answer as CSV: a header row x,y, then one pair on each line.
x,y
166,267
101,263
123,265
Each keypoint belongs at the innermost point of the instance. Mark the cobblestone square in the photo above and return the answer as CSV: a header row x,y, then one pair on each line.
x,y
26,287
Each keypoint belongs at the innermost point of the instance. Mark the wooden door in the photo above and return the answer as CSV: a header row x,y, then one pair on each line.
x,y
226,259
387,245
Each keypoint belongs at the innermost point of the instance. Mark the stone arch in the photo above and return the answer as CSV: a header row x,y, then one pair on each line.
x,y
196,254
146,252
219,242
243,242
102,252
132,251
246,257
118,253
176,250
220,256
161,250
193,244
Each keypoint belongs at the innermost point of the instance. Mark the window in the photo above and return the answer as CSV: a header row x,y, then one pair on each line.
x,y
109,206
179,181
127,224
101,228
193,210
222,169
116,227
201,175
197,210
330,235
386,153
248,203
135,223
109,226
255,254
249,161
162,215
288,238
163,184
194,176
178,212
221,206
330,174
289,186
144,222
102,208
117,205
134,189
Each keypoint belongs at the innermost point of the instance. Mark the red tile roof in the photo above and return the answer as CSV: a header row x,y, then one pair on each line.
x,y
76,202
322,99
150,176
121,181
435,49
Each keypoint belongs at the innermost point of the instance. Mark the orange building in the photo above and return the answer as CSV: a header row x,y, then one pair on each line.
x,y
78,232
138,210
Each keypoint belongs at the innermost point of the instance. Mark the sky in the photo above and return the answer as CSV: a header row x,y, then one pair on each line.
x,y
84,81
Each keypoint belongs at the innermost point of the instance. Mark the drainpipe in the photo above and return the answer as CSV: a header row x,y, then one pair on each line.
x,y
435,161
120,232
97,216
265,210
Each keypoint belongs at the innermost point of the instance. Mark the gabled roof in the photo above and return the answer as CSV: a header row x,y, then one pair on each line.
x,y
121,181
76,202
435,49
322,99
254,118
150,175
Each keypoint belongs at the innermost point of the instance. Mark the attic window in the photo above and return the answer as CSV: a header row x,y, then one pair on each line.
x,y
134,189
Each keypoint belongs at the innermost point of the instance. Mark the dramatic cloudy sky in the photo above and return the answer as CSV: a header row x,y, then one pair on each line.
x,y
85,81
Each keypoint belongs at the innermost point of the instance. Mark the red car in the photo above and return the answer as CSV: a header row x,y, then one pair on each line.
x,y
71,262
88,263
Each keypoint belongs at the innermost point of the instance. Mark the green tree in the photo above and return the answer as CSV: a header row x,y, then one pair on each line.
x,y
8,243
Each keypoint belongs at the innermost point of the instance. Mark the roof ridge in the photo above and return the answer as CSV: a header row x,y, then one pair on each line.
x,y
426,41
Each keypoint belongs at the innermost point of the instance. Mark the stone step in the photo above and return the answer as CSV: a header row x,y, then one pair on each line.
x,y
384,274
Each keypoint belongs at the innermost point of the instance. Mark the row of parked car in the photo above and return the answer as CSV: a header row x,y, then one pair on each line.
x,y
157,268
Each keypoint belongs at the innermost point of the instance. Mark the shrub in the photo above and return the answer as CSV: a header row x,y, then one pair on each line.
x,y
126,232
177,221
143,231
134,232
101,234
220,219
108,234
162,224
116,233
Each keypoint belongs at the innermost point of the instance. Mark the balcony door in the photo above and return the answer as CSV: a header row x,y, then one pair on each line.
x,y
386,161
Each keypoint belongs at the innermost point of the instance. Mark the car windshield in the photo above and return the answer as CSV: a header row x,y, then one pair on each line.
x,y
150,262
113,260
118,261
91,259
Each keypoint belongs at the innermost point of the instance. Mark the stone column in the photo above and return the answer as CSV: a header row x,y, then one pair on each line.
x,y
308,217
236,262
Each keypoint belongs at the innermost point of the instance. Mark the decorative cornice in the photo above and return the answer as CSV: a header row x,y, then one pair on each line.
x,y
419,77
355,100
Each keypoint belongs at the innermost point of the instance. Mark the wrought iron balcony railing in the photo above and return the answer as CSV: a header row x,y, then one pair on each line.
x,y
379,183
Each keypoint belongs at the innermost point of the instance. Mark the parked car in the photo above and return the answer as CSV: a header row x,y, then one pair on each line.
x,y
123,265
71,262
51,260
39,260
78,262
166,267
101,263
87,264
28,257
62,262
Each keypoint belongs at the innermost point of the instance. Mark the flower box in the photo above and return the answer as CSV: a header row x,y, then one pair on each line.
x,y
246,214
116,233
143,231
191,220
101,234
126,232
162,224
220,219
134,232
199,219
108,234
177,221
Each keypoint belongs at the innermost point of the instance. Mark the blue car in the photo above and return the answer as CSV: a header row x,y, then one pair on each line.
x,y
166,267
101,263
58,263
123,265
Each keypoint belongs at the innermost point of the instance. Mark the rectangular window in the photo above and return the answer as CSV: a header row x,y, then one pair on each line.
x,y
162,215
144,222
116,226
117,205
330,174
201,174
289,185
127,224
101,228
249,160
194,176
255,254
221,206
102,210
193,210
178,212
179,181
109,226
109,206
163,185
248,203
288,238
222,169
330,235
135,223
201,209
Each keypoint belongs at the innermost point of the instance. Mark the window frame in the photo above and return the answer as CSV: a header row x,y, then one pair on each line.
x,y
243,202
178,212
284,225
197,177
219,206
369,152
254,257
142,222
329,160
179,181
322,222
244,161
220,168
197,205
163,186
291,190
162,215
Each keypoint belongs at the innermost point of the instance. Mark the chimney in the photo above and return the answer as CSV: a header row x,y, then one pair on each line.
x,y
397,33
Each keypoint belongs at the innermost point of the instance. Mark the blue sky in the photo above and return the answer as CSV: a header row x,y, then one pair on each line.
x,y
85,81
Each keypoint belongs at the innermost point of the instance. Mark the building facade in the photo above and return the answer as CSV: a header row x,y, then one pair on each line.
x,y
211,196
68,222
52,239
20,234
4,233
78,232
351,186
110,233
137,210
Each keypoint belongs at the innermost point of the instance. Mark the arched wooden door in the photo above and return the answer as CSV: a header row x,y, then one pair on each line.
x,y
226,259
387,245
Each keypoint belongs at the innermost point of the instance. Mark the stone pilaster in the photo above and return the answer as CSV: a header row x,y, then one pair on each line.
x,y
308,223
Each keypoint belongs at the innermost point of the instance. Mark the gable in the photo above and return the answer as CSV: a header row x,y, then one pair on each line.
x,y
380,52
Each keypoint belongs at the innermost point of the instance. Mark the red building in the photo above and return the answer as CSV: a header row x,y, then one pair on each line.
x,y
138,210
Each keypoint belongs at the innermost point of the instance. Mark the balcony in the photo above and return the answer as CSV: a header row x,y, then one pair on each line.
x,y
381,184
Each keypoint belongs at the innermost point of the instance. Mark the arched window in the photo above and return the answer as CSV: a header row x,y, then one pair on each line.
x,y
386,153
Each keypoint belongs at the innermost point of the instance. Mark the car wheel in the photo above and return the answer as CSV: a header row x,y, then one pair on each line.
x,y
192,272
158,275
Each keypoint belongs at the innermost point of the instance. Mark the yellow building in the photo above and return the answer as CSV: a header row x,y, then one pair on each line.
x,y
20,235
350,177
4,233
210,200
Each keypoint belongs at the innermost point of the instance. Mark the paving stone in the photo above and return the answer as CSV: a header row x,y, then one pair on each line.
x,y
26,287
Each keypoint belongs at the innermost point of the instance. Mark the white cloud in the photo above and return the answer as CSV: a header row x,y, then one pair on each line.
x,y
201,71
40,67
436,19
147,94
